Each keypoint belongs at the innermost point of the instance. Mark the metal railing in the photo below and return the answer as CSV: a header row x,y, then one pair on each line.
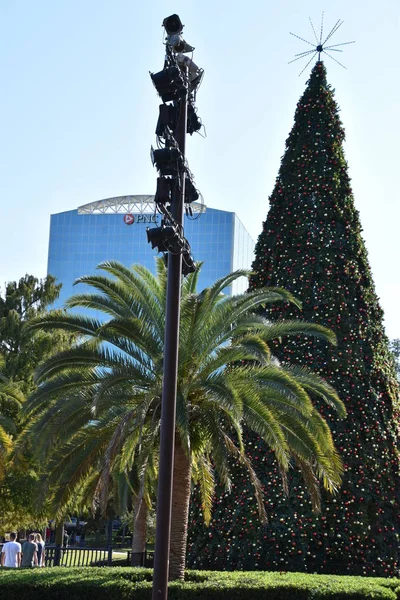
x,y
76,556
141,559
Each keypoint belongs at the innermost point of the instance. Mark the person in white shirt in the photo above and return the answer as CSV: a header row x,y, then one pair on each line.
x,y
11,553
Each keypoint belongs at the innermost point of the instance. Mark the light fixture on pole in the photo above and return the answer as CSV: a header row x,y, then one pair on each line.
x,y
178,44
177,83
167,117
191,193
168,161
169,83
165,238
172,25
194,122
188,264
195,72
163,193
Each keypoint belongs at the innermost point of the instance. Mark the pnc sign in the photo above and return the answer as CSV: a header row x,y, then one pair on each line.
x,y
129,219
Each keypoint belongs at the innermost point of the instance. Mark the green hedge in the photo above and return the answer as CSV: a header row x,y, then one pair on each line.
x,y
123,583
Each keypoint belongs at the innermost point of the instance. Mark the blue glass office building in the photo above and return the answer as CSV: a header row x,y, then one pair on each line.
x,y
115,229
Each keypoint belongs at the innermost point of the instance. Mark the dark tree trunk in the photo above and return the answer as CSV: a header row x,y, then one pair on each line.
x,y
139,532
180,509
59,539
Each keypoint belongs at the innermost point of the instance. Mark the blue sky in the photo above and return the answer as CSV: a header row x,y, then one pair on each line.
x,y
78,112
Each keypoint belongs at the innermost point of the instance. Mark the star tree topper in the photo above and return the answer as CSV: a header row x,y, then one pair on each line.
x,y
321,44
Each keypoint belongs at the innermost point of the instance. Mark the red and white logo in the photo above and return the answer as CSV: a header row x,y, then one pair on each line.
x,y
129,219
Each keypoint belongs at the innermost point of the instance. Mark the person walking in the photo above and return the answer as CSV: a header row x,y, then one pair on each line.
x,y
11,553
29,552
40,550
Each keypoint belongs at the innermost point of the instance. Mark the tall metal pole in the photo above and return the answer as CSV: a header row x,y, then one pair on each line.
x,y
168,406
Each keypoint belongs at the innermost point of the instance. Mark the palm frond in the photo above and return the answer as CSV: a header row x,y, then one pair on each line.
x,y
278,329
8,425
145,293
311,482
60,319
103,303
13,393
245,461
273,378
212,293
189,285
218,391
318,386
223,319
72,464
204,477
213,443
138,332
114,290
246,348
60,385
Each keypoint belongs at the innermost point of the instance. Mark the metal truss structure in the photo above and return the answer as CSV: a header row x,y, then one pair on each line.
x,y
128,204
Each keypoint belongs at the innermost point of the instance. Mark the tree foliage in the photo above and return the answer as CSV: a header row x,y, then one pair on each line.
x,y
97,406
20,353
21,350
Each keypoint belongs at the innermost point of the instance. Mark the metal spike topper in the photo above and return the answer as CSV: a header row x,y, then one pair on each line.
x,y
320,47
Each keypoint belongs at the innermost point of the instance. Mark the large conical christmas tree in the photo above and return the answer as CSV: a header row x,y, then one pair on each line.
x,y
311,244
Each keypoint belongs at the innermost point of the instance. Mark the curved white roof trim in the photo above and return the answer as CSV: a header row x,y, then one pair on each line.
x,y
128,204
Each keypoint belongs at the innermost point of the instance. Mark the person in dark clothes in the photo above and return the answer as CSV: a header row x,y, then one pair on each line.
x,y
29,552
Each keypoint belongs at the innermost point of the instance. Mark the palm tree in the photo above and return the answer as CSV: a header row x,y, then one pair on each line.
x,y
98,404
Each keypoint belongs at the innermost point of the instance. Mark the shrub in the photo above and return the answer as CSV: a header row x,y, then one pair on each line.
x,y
122,583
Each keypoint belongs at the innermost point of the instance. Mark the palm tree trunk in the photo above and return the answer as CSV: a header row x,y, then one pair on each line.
x,y
139,532
180,510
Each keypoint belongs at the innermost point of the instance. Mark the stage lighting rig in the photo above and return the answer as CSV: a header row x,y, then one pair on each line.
x,y
167,117
195,73
177,47
191,193
158,236
164,189
169,83
173,27
166,238
178,44
188,263
168,161
193,122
